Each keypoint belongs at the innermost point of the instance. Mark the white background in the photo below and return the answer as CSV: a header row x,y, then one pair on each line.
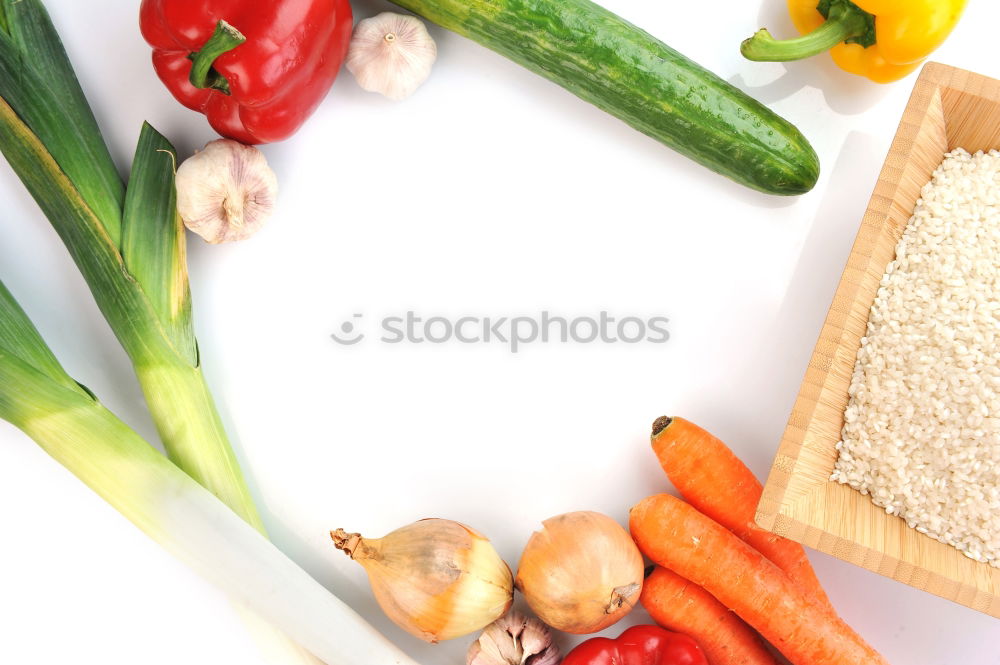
x,y
491,192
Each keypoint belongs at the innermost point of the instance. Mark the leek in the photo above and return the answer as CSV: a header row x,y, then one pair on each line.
x,y
127,303
129,244
72,426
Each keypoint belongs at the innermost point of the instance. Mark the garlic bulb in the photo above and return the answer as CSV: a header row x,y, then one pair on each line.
x,y
435,578
514,639
391,54
226,191
581,573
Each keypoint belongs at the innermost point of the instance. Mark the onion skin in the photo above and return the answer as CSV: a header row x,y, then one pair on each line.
x,y
581,573
436,579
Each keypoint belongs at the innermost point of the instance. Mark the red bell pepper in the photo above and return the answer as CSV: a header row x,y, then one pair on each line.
x,y
256,68
639,645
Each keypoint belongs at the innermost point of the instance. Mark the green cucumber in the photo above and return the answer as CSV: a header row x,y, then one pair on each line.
x,y
607,61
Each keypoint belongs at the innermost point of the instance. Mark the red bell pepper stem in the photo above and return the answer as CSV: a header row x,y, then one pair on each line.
x,y
224,39
259,92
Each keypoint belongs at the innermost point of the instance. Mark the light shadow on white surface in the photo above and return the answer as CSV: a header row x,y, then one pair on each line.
x,y
844,93
527,89
757,399
880,608
814,279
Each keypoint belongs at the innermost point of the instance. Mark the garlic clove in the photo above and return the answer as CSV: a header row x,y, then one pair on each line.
x,y
502,635
514,639
391,54
536,641
226,192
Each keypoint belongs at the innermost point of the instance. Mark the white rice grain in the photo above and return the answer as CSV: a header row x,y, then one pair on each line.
x,y
922,427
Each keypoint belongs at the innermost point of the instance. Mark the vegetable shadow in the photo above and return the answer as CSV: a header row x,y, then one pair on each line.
x,y
847,94
761,394
578,115
777,367
314,552
757,396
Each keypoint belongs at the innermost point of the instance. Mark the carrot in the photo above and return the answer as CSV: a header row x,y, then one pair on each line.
x,y
713,479
684,607
677,536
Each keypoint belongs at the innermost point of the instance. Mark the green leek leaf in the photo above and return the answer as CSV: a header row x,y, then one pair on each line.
x,y
153,239
118,295
37,80
31,392
20,338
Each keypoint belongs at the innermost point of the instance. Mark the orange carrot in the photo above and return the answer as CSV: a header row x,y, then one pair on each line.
x,y
684,607
713,479
676,536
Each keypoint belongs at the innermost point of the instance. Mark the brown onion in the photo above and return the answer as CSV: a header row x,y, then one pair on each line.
x,y
581,573
437,579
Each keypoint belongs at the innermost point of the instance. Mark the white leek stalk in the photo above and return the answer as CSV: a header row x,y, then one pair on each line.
x,y
73,427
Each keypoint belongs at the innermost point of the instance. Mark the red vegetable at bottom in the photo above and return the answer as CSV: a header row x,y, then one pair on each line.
x,y
639,645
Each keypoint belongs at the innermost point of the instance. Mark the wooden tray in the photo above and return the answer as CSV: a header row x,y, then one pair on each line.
x,y
949,108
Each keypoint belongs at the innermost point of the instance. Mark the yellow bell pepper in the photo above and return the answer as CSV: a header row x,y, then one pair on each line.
x,y
882,40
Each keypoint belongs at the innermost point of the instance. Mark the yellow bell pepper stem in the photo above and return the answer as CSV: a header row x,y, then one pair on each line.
x,y
882,40
844,22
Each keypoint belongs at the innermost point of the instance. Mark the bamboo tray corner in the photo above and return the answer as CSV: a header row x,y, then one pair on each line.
x,y
949,108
